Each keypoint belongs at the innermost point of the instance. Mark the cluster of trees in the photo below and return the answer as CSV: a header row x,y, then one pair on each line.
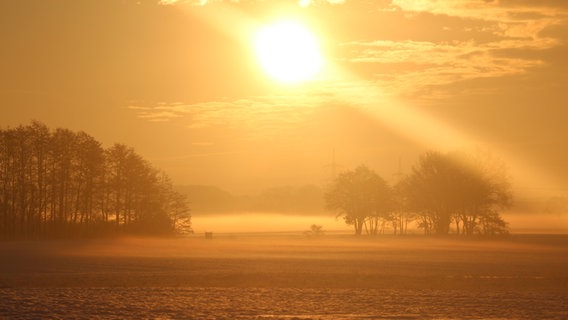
x,y
444,193
60,183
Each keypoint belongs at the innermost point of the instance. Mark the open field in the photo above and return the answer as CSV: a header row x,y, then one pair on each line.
x,y
287,276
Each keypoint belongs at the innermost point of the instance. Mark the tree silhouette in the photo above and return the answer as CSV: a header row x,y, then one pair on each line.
x,y
401,215
457,187
361,197
442,189
64,184
315,231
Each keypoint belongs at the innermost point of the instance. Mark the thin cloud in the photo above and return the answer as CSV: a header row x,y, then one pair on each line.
x,y
305,3
167,2
415,64
191,2
406,67
266,114
301,3
159,113
478,9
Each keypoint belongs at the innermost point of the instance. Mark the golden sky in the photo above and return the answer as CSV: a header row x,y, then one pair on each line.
x,y
179,81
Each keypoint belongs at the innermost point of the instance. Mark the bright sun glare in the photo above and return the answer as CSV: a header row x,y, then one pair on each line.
x,y
288,52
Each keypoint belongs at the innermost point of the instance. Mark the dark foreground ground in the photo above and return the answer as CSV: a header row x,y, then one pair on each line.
x,y
286,277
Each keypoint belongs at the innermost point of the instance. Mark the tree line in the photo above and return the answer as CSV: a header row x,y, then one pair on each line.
x,y
444,193
59,184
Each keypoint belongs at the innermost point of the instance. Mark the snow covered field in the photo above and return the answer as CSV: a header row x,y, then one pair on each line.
x,y
286,276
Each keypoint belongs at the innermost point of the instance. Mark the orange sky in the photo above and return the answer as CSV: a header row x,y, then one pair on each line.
x,y
179,82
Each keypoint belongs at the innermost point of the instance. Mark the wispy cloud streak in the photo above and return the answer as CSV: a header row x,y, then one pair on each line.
x,y
301,3
407,66
269,115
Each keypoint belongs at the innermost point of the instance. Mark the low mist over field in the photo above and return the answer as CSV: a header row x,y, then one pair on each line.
x,y
278,222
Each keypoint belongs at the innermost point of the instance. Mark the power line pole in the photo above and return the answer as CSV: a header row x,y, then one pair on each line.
x,y
333,167
398,174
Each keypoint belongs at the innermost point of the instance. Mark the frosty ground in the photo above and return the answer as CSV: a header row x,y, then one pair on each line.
x,y
287,276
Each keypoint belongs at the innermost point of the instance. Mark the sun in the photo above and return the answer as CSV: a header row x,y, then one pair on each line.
x,y
288,52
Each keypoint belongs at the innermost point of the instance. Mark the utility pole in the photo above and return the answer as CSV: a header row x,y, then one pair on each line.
x,y
398,174
333,167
